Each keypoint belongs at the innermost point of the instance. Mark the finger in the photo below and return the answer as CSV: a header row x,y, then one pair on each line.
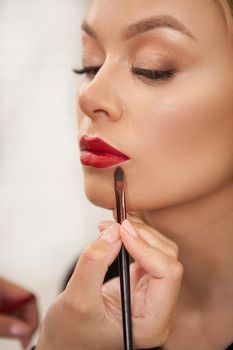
x,y
152,259
139,220
153,238
105,224
136,273
160,286
30,315
87,279
10,291
11,327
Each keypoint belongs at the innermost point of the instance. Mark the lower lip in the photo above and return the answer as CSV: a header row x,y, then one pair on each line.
x,y
100,159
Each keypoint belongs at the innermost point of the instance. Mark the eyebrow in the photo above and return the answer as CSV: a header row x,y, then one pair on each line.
x,y
154,22
145,25
87,28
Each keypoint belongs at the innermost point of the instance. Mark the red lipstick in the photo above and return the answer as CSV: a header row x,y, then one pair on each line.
x,y
99,154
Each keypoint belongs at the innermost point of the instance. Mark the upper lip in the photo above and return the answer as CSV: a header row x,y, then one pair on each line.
x,y
95,144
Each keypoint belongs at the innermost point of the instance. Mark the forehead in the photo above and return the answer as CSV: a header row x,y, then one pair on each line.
x,y
133,6
107,18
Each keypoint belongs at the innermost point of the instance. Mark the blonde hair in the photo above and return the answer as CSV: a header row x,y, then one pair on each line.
x,y
227,7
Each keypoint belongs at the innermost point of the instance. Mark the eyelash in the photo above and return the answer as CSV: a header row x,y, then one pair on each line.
x,y
147,73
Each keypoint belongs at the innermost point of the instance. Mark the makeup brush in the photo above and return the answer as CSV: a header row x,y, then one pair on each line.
x,y
123,261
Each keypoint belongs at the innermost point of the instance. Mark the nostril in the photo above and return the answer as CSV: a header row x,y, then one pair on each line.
x,y
101,112
95,104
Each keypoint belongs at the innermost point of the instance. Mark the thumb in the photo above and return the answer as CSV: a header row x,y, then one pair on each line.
x,y
88,276
11,327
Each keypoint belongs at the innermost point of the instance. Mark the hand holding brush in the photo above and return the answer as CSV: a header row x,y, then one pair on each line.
x,y
88,314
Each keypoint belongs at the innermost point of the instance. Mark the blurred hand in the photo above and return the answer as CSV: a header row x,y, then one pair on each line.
x,y
21,322
87,315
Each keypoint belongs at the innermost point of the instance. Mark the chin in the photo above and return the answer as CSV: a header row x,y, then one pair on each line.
x,y
99,189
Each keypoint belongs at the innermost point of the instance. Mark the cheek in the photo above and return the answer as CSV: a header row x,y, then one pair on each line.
x,y
184,145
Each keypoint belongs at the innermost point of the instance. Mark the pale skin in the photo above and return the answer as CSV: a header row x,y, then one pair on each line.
x,y
178,134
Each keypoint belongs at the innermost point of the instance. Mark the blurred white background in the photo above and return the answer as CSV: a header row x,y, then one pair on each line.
x,y
45,219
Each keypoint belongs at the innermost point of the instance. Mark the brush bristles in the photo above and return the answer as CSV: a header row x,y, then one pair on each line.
x,y
119,174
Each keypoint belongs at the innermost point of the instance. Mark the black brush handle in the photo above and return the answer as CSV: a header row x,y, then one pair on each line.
x,y
123,262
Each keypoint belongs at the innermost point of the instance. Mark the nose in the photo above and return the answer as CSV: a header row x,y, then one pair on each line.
x,y
100,98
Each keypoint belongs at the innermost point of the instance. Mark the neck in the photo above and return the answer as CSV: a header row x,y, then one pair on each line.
x,y
203,230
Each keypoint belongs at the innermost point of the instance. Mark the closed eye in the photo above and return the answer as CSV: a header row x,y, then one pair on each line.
x,y
90,70
154,74
146,73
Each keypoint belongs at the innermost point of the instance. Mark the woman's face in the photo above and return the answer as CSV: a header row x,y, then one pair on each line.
x,y
176,127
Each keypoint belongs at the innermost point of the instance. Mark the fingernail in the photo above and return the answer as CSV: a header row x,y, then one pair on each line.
x,y
105,224
18,329
129,228
112,233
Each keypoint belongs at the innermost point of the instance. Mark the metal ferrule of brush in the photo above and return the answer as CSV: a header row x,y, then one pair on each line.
x,y
121,209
